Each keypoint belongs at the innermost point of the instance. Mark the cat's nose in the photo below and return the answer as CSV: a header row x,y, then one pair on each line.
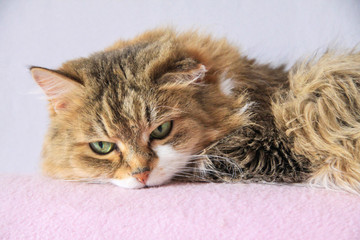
x,y
141,176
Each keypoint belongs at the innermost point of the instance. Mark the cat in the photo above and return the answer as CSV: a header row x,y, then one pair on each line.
x,y
190,107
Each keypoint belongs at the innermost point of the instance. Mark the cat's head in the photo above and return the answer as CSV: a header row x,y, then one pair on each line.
x,y
137,113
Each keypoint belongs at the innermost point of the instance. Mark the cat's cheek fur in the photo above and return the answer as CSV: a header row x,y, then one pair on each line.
x,y
170,163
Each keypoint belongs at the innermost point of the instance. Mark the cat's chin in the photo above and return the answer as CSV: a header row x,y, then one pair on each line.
x,y
132,183
129,182
158,180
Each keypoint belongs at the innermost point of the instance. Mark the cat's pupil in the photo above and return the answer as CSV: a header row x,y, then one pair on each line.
x,y
160,128
101,144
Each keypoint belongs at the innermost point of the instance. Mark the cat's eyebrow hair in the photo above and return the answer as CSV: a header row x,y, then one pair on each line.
x,y
147,113
122,69
101,124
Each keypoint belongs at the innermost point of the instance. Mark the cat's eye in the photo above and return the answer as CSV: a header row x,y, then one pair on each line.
x,y
161,131
102,147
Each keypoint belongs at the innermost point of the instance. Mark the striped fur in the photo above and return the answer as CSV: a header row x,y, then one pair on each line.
x,y
233,119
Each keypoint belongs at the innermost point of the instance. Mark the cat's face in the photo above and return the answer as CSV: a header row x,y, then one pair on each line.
x,y
134,116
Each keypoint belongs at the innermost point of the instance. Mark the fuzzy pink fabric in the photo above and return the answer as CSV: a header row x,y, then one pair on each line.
x,y
33,207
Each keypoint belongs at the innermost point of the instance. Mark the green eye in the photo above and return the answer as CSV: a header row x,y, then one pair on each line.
x,y
162,131
102,147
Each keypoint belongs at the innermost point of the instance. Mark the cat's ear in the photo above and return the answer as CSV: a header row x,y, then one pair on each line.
x,y
59,89
196,75
185,77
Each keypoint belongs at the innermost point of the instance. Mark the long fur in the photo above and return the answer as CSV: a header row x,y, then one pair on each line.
x,y
235,119
321,114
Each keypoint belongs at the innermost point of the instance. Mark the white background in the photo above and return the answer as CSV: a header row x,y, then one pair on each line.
x,y
48,32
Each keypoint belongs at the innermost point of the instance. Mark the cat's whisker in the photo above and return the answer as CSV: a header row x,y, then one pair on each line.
x,y
195,172
214,158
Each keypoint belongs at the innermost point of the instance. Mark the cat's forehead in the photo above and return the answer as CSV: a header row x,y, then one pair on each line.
x,y
117,78
122,93
124,105
131,62
129,117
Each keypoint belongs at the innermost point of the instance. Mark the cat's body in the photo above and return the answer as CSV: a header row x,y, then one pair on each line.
x,y
186,106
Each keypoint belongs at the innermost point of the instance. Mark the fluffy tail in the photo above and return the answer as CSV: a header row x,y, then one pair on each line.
x,y
321,113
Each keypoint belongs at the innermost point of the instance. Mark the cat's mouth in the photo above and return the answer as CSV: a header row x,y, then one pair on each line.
x,y
171,163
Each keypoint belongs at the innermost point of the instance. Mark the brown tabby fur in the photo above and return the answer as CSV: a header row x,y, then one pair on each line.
x,y
300,126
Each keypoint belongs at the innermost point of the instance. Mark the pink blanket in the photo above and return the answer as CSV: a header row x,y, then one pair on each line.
x,y
33,207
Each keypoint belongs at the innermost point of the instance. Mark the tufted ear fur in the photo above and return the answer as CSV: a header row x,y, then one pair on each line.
x,y
59,89
195,75
185,77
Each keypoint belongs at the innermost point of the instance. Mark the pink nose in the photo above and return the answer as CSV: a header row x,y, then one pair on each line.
x,y
142,177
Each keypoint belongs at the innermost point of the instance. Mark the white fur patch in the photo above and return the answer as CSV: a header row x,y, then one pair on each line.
x,y
129,182
170,163
227,85
246,107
